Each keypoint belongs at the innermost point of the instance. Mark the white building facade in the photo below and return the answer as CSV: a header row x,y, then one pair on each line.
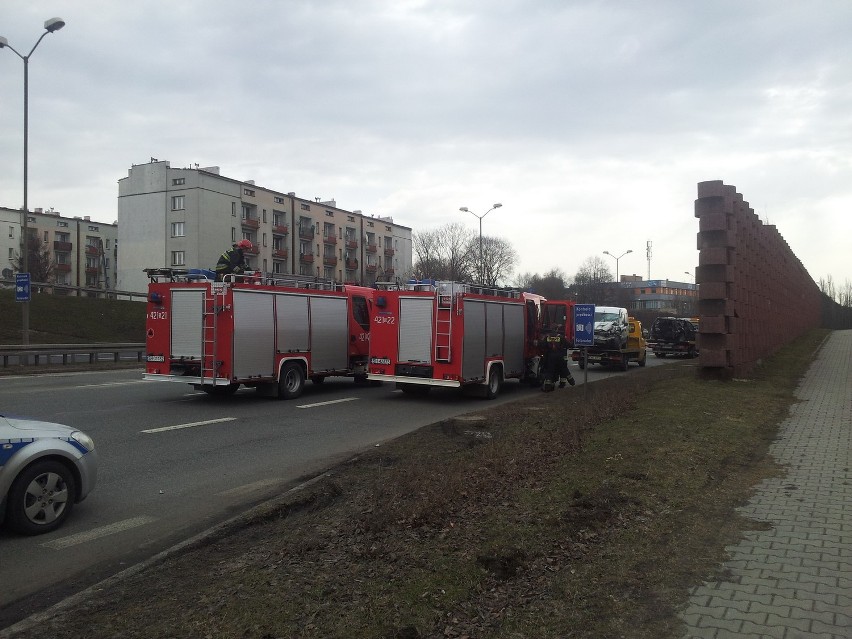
x,y
186,218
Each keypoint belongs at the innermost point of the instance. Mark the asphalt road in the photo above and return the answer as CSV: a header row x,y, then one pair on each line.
x,y
174,461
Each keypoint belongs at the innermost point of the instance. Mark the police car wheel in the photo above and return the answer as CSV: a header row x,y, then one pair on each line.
x,y
41,498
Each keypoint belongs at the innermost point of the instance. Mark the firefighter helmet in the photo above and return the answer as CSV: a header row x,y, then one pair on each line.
x,y
244,244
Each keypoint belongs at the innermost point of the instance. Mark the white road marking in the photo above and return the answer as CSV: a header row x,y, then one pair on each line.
x,y
334,401
138,381
97,533
189,425
240,490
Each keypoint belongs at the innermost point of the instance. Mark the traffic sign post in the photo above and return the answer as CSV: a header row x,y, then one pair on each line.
x,y
22,287
584,335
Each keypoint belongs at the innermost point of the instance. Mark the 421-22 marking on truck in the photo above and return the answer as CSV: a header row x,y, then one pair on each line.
x,y
384,319
158,315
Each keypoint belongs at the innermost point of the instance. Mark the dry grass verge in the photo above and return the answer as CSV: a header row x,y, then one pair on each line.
x,y
551,517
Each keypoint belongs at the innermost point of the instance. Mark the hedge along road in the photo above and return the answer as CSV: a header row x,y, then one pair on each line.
x,y
175,461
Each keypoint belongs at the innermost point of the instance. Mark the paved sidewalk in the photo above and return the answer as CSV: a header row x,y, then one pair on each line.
x,y
794,581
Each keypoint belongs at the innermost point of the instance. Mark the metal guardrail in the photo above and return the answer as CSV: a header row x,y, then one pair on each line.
x,y
79,291
45,354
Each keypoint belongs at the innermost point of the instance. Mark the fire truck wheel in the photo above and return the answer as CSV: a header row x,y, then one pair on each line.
x,y
625,362
495,382
292,381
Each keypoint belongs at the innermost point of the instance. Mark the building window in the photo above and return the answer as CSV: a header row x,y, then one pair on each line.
x,y
233,234
233,209
329,213
178,202
11,231
264,239
45,237
178,181
62,224
178,258
177,229
369,224
264,216
278,218
96,229
11,254
248,192
63,237
305,207
279,200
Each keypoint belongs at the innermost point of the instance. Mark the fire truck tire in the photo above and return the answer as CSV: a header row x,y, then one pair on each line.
x,y
625,362
644,360
291,383
495,382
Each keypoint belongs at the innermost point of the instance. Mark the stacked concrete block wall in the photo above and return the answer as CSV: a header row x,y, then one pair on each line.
x,y
754,295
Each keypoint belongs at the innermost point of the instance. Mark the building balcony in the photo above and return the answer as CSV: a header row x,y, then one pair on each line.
x,y
306,233
63,268
251,222
351,265
306,258
63,247
281,230
371,268
329,239
351,244
389,252
389,271
92,250
372,248
280,253
92,270
329,261
254,250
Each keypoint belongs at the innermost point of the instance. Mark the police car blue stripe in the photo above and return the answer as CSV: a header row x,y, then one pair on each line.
x,y
9,447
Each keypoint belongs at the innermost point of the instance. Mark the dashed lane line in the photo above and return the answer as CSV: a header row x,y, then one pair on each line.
x,y
163,429
334,401
97,533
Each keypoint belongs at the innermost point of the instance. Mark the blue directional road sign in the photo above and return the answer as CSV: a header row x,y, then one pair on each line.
x,y
22,287
584,325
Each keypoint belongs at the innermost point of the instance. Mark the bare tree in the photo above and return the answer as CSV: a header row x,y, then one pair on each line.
x,y
551,285
498,260
40,262
444,253
592,283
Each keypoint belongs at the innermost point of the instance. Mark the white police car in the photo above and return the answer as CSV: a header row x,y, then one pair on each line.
x,y
45,469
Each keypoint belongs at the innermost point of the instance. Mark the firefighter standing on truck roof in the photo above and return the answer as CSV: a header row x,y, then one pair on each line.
x,y
556,361
232,260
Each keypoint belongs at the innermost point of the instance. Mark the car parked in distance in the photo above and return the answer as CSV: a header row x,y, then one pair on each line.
x,y
45,469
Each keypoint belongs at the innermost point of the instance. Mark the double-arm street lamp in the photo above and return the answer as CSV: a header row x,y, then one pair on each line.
x,y
481,261
616,260
51,25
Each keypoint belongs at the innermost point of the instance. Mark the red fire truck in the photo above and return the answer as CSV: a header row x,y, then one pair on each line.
x,y
267,333
440,333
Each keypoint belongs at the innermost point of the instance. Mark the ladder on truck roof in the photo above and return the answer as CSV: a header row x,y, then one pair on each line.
x,y
213,303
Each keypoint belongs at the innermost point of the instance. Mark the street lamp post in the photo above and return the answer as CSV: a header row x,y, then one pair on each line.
x,y
690,274
51,25
481,261
616,261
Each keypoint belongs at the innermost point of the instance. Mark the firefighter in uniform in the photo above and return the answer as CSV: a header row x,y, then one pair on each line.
x,y
555,365
233,260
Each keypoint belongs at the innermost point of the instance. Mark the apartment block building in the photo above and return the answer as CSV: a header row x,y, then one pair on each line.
x,y
658,297
186,218
84,252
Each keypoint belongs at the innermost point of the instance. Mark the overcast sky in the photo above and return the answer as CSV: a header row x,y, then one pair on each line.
x,y
591,122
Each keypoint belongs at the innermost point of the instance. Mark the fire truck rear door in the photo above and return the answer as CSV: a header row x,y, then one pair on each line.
x,y
186,313
415,329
